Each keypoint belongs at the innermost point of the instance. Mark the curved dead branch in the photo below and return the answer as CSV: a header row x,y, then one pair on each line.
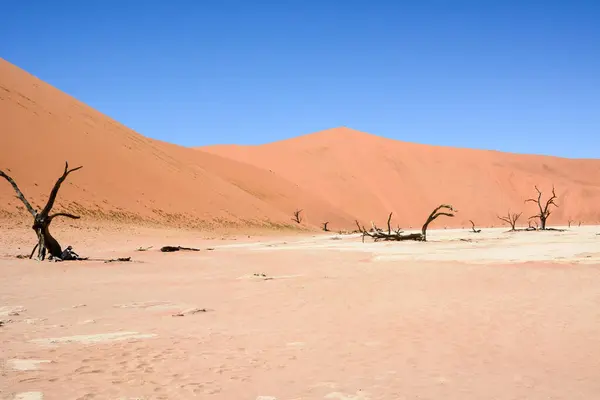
x,y
67,215
397,235
434,215
473,227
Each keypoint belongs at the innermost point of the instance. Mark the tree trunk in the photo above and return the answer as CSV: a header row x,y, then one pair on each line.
x,y
42,219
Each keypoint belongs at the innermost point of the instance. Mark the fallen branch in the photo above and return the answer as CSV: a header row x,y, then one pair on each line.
x,y
120,259
397,235
170,249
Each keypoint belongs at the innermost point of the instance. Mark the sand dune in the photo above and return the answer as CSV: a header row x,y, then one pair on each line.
x,y
335,175
369,176
126,176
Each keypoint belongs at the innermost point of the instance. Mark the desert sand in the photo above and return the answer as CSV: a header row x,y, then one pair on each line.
x,y
336,175
496,315
273,310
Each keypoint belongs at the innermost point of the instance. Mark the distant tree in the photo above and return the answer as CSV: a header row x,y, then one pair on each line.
x,y
544,209
473,227
324,226
511,219
297,216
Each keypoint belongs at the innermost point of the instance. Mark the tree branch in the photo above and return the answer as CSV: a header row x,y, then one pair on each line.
x,y
51,217
56,187
19,193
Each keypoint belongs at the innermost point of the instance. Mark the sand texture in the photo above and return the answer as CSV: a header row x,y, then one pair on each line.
x,y
337,175
504,316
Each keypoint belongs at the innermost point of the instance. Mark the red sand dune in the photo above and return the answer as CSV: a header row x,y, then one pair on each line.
x,y
335,175
369,176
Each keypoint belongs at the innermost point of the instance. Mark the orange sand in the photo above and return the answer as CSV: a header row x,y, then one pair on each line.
x,y
335,322
336,175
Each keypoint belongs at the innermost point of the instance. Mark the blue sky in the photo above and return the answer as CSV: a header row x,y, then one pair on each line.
x,y
519,76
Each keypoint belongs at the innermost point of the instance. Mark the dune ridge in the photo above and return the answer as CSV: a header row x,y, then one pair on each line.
x,y
336,175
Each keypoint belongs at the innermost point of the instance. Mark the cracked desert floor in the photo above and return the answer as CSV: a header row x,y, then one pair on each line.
x,y
495,315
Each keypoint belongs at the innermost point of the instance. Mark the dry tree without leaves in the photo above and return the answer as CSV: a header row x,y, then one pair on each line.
x,y
544,210
297,217
324,226
511,219
473,227
379,234
42,219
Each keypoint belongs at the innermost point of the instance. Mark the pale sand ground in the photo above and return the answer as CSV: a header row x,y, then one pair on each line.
x,y
507,316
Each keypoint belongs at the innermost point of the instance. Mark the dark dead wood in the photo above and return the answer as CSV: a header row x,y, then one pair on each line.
x,y
170,249
120,259
41,220
511,219
379,234
297,217
473,227
20,195
324,226
544,211
434,215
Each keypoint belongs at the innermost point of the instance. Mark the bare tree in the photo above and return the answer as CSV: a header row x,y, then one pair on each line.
x,y
42,219
531,227
570,222
511,219
297,217
473,227
324,226
544,210
379,234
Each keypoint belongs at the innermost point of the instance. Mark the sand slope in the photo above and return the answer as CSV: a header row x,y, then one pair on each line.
x,y
369,176
127,176
335,175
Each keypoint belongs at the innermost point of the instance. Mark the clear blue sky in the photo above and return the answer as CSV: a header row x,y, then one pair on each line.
x,y
521,76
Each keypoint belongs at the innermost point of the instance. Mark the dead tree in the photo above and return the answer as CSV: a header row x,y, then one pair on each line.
x,y
434,214
42,219
473,227
570,222
531,227
511,219
379,234
297,217
544,210
324,226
